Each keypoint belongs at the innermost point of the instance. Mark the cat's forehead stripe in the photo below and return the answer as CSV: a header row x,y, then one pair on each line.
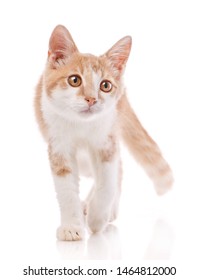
x,y
91,83
96,81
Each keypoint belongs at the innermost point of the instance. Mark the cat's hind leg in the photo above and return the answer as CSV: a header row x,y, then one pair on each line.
x,y
106,174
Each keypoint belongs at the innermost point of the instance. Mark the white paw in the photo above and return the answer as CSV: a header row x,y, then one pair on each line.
x,y
70,233
97,221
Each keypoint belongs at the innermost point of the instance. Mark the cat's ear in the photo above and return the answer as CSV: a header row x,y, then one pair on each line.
x,y
119,53
61,45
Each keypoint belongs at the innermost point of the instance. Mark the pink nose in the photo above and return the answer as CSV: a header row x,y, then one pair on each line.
x,y
90,100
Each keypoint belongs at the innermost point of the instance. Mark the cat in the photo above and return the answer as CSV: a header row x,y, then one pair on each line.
x,y
82,110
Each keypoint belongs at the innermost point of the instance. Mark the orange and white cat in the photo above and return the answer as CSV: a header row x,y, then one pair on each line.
x,y
83,111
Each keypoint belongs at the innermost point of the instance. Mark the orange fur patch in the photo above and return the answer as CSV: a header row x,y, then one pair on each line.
x,y
107,154
58,163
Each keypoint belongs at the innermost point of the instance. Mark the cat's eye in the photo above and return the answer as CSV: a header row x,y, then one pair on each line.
x,y
106,86
75,80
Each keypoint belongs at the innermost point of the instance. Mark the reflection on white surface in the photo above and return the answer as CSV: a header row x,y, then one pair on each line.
x,y
161,243
107,245
100,246
71,250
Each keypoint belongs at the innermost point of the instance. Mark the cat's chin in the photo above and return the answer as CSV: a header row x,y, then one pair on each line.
x,y
88,113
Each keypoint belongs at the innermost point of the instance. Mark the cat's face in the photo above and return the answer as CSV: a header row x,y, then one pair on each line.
x,y
81,85
82,88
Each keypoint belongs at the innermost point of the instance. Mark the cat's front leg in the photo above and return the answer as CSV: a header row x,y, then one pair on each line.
x,y
106,163
65,175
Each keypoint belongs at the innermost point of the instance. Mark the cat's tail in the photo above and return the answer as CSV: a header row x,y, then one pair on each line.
x,y
143,148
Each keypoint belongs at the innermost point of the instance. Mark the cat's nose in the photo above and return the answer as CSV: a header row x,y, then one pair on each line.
x,y
91,100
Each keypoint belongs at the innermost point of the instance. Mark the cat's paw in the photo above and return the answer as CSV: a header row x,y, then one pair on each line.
x,y
97,221
70,233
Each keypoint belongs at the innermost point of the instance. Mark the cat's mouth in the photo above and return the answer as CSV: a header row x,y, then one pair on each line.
x,y
88,111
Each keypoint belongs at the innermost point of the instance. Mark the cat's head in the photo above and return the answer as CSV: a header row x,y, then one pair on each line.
x,y
82,85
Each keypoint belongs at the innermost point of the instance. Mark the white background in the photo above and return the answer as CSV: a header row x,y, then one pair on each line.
x,y
162,82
